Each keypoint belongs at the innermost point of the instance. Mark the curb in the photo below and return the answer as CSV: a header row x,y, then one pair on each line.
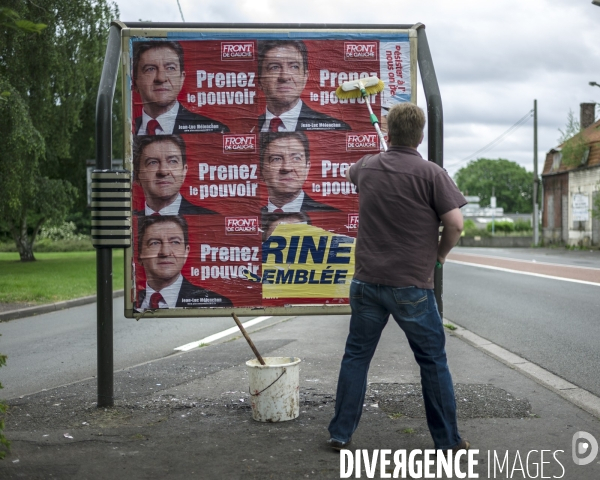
x,y
51,307
572,393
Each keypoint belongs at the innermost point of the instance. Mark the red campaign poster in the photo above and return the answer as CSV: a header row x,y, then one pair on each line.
x,y
240,154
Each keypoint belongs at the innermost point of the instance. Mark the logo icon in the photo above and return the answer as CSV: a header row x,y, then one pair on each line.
x,y
352,225
360,51
237,50
584,444
239,143
362,141
241,225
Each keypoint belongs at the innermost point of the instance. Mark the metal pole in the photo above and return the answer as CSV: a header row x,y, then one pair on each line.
x,y
536,233
493,211
435,132
104,285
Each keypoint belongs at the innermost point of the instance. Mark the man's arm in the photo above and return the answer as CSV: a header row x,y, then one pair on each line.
x,y
453,227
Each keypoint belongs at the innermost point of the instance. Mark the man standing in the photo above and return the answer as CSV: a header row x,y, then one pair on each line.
x,y
160,167
402,199
158,77
284,166
282,76
163,248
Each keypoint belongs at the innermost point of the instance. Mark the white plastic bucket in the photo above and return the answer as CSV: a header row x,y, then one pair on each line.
x,y
274,389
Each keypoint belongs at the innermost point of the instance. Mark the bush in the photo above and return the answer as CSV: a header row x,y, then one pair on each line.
x,y
469,224
82,221
470,230
504,226
523,226
66,231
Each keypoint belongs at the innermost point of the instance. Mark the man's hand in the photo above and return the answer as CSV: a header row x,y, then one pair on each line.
x,y
453,227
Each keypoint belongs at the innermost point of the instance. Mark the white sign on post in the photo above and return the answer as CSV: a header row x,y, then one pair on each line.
x,y
580,207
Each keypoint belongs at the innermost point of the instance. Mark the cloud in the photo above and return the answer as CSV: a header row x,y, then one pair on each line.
x,y
492,59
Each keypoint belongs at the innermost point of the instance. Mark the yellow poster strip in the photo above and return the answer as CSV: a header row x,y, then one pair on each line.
x,y
302,261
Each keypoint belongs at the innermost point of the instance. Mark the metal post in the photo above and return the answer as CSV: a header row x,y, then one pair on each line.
x,y
435,131
536,232
104,285
493,211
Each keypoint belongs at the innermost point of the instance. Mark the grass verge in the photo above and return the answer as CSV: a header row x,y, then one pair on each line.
x,y
54,277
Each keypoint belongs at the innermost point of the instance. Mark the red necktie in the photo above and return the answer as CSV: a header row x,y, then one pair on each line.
x,y
274,124
155,214
278,210
155,299
152,126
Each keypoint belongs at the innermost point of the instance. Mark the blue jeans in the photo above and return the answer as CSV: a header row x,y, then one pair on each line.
x,y
415,311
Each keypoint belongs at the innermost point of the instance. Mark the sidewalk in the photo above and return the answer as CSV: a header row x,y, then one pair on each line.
x,y
188,416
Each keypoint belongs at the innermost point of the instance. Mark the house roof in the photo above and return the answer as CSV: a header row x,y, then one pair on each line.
x,y
592,137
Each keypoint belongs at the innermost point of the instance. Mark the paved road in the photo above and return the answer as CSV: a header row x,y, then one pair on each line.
x,y
553,323
550,322
60,347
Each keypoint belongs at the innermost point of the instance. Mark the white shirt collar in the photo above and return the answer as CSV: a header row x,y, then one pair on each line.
x,y
289,119
169,294
166,121
294,206
172,209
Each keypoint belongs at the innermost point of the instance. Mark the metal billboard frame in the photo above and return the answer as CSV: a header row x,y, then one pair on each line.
x,y
117,54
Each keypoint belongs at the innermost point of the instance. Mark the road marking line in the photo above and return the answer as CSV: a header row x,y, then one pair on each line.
x,y
508,270
570,392
529,262
217,336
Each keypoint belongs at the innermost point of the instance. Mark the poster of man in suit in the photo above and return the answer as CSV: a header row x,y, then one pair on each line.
x,y
163,248
240,139
158,76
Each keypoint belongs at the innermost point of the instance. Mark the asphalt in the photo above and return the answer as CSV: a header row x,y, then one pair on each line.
x,y
188,415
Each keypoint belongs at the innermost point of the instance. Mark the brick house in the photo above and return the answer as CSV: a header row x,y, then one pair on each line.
x,y
570,192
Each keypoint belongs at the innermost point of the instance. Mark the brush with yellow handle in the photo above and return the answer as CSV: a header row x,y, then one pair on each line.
x,y
363,87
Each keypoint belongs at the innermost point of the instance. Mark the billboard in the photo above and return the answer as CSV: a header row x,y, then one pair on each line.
x,y
239,150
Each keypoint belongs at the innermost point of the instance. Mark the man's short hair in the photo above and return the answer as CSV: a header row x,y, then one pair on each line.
x,y
148,221
267,45
405,123
141,47
141,142
267,138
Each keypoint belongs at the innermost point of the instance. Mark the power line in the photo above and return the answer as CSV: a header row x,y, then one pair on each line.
x,y
498,139
180,11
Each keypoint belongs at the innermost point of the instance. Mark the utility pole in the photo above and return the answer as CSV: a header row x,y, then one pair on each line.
x,y
536,233
493,205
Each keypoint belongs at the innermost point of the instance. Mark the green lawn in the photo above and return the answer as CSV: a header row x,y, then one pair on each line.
x,y
53,277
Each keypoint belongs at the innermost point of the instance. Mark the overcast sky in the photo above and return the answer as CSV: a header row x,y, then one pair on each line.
x,y
492,59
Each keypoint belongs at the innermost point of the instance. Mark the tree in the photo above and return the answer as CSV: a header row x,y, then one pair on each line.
x,y
51,78
513,184
572,142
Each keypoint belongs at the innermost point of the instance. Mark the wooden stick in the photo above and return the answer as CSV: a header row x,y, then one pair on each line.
x,y
247,337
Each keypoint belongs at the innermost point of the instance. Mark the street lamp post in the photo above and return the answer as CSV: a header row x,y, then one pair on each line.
x,y
595,84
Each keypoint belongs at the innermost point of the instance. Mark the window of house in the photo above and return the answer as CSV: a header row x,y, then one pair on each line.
x,y
556,160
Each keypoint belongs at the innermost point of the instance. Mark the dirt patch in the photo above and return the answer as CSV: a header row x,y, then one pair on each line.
x,y
472,401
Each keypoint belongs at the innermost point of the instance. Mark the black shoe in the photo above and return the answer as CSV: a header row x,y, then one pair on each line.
x,y
337,445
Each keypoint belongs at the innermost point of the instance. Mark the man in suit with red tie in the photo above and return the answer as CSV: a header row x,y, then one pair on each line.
x,y
282,76
160,167
284,166
158,77
163,248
